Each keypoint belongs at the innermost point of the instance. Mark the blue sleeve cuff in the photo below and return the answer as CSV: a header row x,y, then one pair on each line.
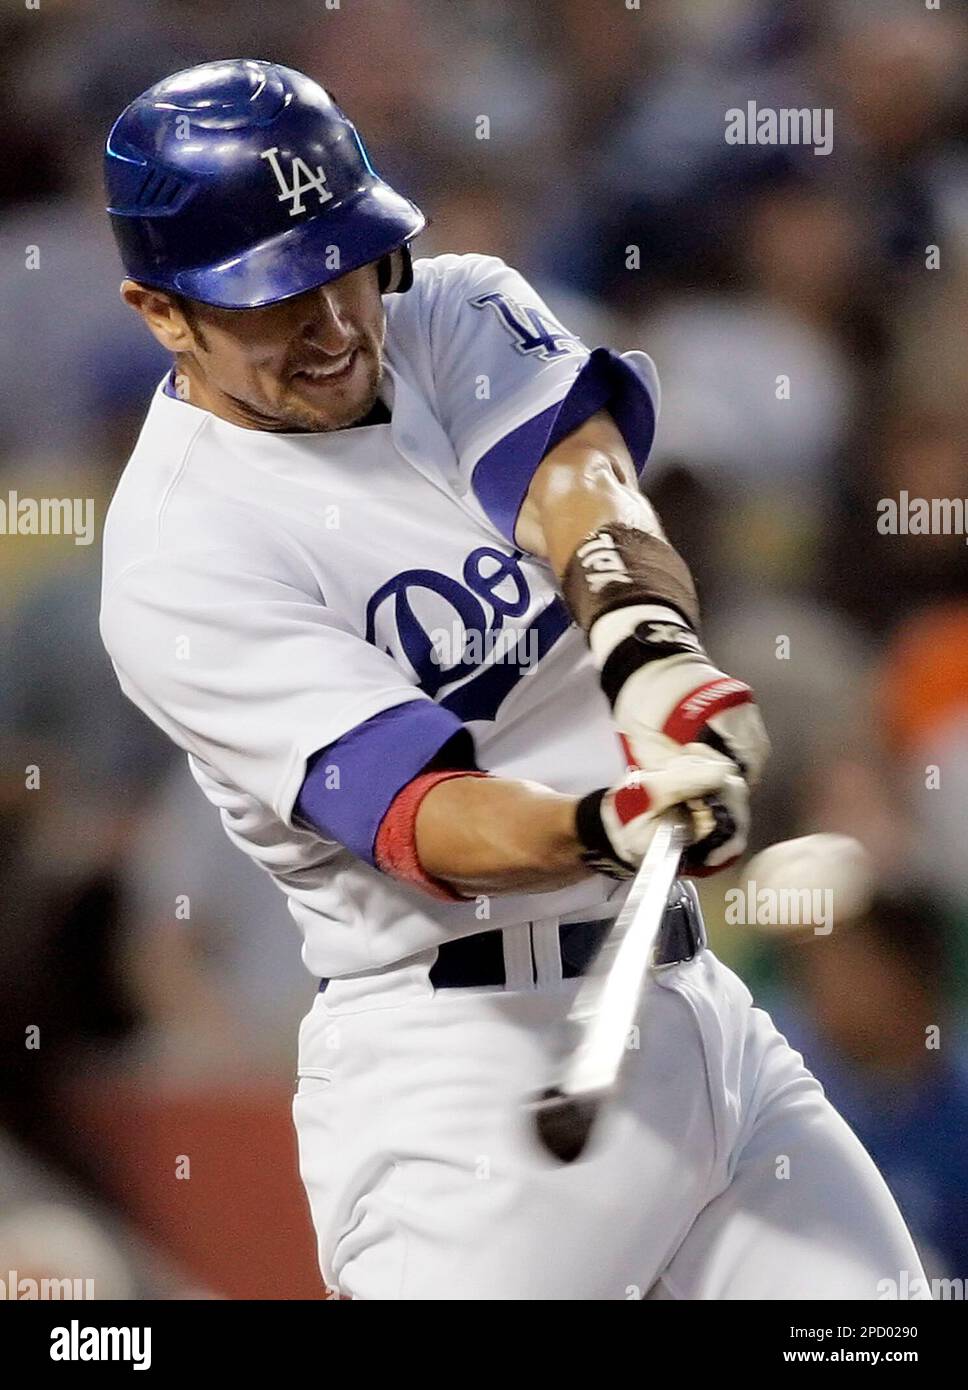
x,y
350,784
503,475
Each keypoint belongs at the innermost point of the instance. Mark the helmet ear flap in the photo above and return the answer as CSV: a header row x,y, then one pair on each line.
x,y
396,270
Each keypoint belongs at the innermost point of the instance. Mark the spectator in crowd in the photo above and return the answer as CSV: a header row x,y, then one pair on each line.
x,y
869,1008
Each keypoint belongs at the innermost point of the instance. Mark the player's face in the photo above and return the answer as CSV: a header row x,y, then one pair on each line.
x,y
310,363
313,362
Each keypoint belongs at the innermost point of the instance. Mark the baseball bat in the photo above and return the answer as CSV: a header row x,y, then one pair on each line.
x,y
607,1002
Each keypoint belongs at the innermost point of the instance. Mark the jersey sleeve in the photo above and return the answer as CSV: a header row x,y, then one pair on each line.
x,y
510,381
253,674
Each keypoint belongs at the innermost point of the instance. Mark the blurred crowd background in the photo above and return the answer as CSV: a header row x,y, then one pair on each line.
x,y
606,179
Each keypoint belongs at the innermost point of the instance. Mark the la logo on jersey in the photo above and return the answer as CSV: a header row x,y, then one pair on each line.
x,y
302,180
533,333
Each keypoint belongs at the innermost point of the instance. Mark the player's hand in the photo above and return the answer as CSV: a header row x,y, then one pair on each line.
x,y
616,825
663,688
660,680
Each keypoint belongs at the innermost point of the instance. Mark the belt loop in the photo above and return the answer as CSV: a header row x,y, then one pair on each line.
x,y
546,944
517,957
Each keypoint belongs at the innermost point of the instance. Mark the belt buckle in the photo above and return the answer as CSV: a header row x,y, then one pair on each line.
x,y
683,932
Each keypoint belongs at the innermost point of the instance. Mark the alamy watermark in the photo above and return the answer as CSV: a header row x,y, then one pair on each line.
x,y
470,647
48,516
905,515
19,1288
77,1343
784,125
918,1286
752,906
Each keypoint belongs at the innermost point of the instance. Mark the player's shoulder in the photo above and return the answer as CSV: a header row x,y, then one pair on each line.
x,y
172,497
451,278
439,309
456,268
148,478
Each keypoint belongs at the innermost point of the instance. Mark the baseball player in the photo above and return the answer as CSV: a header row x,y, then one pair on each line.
x,y
380,565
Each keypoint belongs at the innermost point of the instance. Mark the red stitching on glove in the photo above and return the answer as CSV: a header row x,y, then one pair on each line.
x,y
630,801
702,704
707,870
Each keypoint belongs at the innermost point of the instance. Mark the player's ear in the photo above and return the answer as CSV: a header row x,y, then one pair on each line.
x,y
163,315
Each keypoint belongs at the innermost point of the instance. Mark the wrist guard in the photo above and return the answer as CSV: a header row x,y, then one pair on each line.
x,y
619,565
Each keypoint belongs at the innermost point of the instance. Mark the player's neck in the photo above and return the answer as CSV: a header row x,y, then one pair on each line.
x,y
191,385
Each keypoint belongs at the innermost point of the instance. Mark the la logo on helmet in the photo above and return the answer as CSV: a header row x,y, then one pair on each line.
x,y
303,179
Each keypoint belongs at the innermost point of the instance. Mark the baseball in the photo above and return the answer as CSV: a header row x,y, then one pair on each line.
x,y
811,882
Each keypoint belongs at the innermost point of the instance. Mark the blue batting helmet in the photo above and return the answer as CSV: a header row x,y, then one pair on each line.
x,y
240,183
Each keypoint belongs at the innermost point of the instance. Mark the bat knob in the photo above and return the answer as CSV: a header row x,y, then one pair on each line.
x,y
563,1123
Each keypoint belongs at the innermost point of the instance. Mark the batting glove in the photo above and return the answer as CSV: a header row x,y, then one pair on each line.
x,y
665,691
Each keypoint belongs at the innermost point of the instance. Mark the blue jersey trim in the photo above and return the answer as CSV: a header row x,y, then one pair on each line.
x,y
349,784
503,475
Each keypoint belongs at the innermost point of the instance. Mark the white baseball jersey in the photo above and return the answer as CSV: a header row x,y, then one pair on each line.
x,y
313,618
358,595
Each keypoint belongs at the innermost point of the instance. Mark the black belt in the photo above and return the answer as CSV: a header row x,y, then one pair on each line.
x,y
478,960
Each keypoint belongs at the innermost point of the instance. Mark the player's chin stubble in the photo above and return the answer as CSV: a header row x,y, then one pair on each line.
x,y
344,409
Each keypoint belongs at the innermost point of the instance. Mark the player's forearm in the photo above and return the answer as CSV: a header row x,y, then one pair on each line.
x,y
579,502
585,514
498,835
586,482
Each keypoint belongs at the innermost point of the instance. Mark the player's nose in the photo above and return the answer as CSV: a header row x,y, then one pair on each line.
x,y
326,324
